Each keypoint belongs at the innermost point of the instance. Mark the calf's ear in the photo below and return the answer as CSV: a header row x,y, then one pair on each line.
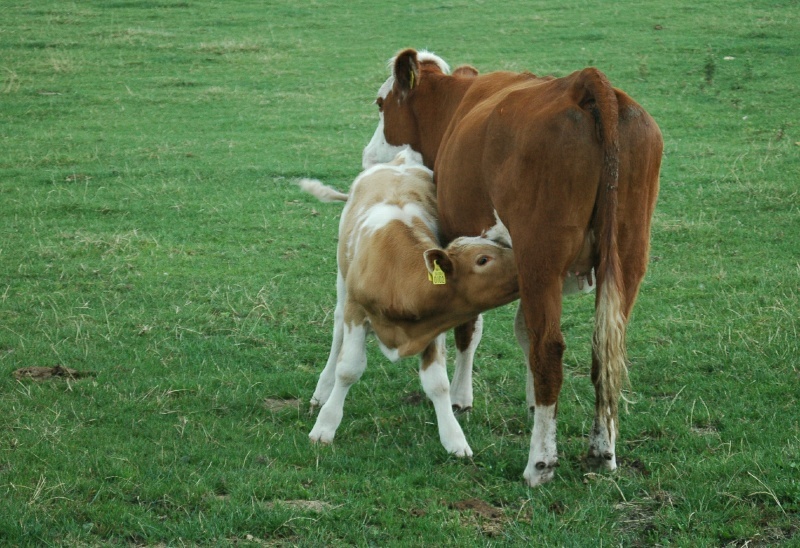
x,y
440,258
406,72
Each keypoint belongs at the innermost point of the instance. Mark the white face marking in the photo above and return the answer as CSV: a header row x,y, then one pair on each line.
x,y
378,150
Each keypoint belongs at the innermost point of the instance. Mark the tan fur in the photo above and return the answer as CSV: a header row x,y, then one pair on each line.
x,y
385,273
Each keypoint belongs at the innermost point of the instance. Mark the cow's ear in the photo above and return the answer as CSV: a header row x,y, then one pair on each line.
x,y
466,71
406,71
438,258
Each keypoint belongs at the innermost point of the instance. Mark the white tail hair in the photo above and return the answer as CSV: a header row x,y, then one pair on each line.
x,y
322,192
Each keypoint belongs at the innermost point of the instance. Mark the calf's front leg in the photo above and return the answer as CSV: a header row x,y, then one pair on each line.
x,y
467,337
433,375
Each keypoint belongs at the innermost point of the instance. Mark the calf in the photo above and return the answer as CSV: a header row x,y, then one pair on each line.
x,y
395,280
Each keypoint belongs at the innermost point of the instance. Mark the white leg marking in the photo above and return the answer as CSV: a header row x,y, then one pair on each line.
x,y
351,365
461,387
326,378
543,457
435,384
601,445
521,331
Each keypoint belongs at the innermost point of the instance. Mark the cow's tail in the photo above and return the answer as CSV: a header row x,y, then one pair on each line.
x,y
611,374
322,192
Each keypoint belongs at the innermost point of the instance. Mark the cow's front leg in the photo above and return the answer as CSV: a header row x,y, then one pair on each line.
x,y
433,375
467,338
351,365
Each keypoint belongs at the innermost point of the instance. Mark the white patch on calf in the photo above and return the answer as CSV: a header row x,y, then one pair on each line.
x,y
349,368
461,387
328,375
437,388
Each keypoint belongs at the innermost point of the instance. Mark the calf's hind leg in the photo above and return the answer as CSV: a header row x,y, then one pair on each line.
x,y
433,375
350,367
328,375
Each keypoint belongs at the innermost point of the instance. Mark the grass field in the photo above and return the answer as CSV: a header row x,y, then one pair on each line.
x,y
152,238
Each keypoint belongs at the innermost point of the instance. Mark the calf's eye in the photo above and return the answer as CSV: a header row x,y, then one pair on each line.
x,y
482,260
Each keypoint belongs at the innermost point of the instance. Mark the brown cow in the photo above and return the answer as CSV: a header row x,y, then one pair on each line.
x,y
570,165
388,246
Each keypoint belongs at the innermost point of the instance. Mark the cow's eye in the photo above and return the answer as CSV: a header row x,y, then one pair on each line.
x,y
379,102
482,260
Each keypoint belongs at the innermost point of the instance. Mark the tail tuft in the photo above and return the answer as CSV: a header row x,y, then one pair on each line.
x,y
320,191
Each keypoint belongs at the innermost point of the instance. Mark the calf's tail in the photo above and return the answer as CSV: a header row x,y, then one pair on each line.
x,y
322,192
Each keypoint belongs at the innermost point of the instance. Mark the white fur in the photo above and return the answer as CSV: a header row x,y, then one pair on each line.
x,y
461,387
437,388
601,444
349,368
543,456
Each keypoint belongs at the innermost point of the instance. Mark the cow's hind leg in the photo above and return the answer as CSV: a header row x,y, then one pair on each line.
x,y
467,338
433,375
351,365
541,310
328,375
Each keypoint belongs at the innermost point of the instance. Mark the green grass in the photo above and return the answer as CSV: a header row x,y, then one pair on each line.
x,y
151,233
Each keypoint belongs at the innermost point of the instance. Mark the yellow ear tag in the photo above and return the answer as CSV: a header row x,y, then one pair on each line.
x,y
437,277
411,85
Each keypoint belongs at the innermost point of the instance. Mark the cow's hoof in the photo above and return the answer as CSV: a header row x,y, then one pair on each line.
x,y
540,473
457,408
601,462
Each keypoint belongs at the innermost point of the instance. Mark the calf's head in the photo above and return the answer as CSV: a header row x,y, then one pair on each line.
x,y
481,272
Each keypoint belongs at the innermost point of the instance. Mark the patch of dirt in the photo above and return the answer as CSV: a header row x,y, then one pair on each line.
x,y
272,404
490,519
57,371
634,465
415,398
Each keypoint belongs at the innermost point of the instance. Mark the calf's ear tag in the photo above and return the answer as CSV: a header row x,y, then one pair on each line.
x,y
437,276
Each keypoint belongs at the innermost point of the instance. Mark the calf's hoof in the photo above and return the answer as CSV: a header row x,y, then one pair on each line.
x,y
460,452
458,408
321,436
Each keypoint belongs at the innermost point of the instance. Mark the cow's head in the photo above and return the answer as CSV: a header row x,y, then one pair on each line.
x,y
397,125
